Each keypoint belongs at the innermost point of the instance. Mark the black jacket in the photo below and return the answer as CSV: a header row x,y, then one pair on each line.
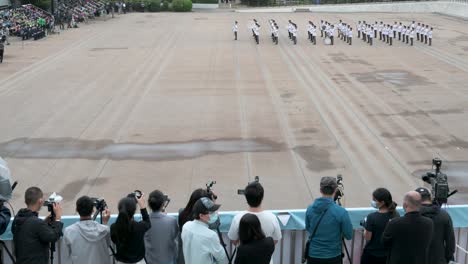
x,y
32,237
408,238
255,252
442,245
5,216
133,249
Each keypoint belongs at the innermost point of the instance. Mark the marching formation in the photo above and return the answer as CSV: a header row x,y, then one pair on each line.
x,y
386,33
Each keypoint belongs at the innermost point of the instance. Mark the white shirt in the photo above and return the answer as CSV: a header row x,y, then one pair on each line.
x,y
400,28
313,31
350,33
268,221
411,34
429,34
201,245
235,28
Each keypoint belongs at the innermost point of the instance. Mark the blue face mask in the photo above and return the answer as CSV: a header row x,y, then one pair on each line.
x,y
213,218
374,204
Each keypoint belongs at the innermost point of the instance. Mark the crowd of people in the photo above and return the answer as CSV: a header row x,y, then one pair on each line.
x,y
423,235
386,33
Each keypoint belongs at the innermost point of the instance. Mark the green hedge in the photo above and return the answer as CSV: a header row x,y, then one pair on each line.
x,y
182,5
153,5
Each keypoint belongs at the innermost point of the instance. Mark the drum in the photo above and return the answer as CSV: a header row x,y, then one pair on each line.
x,y
327,41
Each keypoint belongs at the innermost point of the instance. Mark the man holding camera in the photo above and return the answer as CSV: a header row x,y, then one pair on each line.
x,y
161,240
442,245
326,222
32,235
88,241
201,245
254,193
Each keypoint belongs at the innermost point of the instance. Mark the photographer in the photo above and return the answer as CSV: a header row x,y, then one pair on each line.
x,y
161,240
326,222
201,245
374,226
31,235
127,234
88,241
442,245
254,193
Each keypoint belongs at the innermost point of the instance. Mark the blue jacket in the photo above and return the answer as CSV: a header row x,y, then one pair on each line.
x,y
335,223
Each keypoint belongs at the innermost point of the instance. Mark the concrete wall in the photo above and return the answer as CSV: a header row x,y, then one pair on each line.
x,y
204,6
452,8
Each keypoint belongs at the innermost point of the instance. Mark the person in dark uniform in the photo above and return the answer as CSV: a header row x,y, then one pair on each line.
x,y
408,238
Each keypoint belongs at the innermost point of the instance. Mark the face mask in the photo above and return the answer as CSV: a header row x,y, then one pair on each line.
x,y
213,218
374,204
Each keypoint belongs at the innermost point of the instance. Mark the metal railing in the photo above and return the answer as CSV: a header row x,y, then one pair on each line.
x,y
289,249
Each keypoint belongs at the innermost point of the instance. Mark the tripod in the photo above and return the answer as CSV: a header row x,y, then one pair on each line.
x,y
224,246
2,243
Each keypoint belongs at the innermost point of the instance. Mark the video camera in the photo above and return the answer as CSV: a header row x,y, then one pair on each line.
x,y
242,191
49,203
438,182
340,190
6,188
166,203
209,187
100,205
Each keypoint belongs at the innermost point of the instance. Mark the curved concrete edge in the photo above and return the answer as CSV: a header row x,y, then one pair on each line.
x,y
458,9
204,6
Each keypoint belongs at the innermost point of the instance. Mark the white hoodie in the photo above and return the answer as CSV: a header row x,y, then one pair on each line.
x,y
87,242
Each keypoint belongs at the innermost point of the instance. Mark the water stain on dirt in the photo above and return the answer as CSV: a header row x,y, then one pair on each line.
x,y
69,191
109,48
455,142
398,78
426,113
309,130
287,95
341,57
431,138
71,148
318,159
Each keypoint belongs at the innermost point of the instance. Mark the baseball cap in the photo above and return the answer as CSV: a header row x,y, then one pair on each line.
x,y
329,182
204,205
425,193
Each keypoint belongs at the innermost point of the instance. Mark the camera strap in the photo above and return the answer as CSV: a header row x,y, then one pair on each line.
x,y
306,250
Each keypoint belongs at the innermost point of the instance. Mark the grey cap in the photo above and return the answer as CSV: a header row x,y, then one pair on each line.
x,y
328,181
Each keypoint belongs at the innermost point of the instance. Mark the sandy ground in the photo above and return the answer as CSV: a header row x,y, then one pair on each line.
x,y
169,101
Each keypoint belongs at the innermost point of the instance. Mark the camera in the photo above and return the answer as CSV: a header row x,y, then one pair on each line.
x,y
166,203
209,187
6,189
340,190
242,191
49,203
135,194
100,205
439,183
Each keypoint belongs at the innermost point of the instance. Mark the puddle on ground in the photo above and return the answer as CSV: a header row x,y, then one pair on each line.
x,y
71,148
398,78
318,159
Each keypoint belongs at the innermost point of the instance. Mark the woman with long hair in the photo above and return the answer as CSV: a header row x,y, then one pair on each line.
x,y
127,234
254,247
185,214
374,226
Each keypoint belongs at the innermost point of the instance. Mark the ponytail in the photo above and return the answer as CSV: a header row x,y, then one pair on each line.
x,y
127,208
392,209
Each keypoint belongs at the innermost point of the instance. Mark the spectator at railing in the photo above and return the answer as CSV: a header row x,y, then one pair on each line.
x,y
442,245
161,241
87,241
254,195
374,226
200,244
127,234
254,247
186,215
326,222
409,236
31,235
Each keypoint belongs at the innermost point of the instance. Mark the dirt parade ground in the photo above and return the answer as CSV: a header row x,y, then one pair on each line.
x,y
170,101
